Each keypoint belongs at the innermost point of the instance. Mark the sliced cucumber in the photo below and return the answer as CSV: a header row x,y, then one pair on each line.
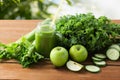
x,y
101,63
115,46
96,59
92,68
113,54
100,56
74,66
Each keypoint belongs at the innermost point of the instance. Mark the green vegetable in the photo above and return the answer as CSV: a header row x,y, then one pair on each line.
x,y
100,56
4,54
96,59
115,46
29,55
23,50
113,54
94,33
100,63
92,68
31,35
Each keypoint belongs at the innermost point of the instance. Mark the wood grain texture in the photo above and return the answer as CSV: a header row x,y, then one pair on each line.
x,y
11,30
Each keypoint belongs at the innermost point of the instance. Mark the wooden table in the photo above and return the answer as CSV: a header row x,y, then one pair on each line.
x,y
11,30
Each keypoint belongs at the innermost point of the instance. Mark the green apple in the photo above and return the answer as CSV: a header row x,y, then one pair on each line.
x,y
78,53
59,56
74,66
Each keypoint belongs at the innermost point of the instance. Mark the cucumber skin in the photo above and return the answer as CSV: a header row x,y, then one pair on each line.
x,y
97,59
100,64
111,58
93,71
100,57
115,46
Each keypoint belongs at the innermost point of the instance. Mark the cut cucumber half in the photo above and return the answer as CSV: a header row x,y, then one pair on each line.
x,y
115,46
100,56
92,68
101,63
96,59
113,54
74,66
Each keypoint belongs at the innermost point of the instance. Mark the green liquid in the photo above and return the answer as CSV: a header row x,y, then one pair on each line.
x,y
45,41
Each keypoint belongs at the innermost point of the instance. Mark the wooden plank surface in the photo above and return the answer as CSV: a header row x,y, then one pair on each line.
x,y
11,30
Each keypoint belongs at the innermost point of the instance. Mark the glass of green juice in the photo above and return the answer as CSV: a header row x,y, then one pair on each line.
x,y
45,39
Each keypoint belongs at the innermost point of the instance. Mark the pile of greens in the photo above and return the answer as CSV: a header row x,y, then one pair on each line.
x,y
94,33
23,50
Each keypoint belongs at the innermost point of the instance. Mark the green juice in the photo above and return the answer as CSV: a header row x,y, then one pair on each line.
x,y
45,40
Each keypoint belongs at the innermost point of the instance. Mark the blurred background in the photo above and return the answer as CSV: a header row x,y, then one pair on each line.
x,y
41,9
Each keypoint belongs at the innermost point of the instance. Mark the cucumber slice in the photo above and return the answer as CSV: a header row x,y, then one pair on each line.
x,y
115,46
113,54
96,59
92,68
74,66
100,56
101,63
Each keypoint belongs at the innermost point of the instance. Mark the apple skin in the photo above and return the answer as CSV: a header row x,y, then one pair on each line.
x,y
78,53
59,56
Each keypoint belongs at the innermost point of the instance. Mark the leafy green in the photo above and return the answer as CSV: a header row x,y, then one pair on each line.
x,y
94,33
26,53
22,51
4,52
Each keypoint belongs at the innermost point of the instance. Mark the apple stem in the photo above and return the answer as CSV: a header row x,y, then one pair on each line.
x,y
58,49
78,48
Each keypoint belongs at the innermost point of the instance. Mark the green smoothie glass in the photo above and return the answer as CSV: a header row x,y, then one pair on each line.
x,y
44,39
